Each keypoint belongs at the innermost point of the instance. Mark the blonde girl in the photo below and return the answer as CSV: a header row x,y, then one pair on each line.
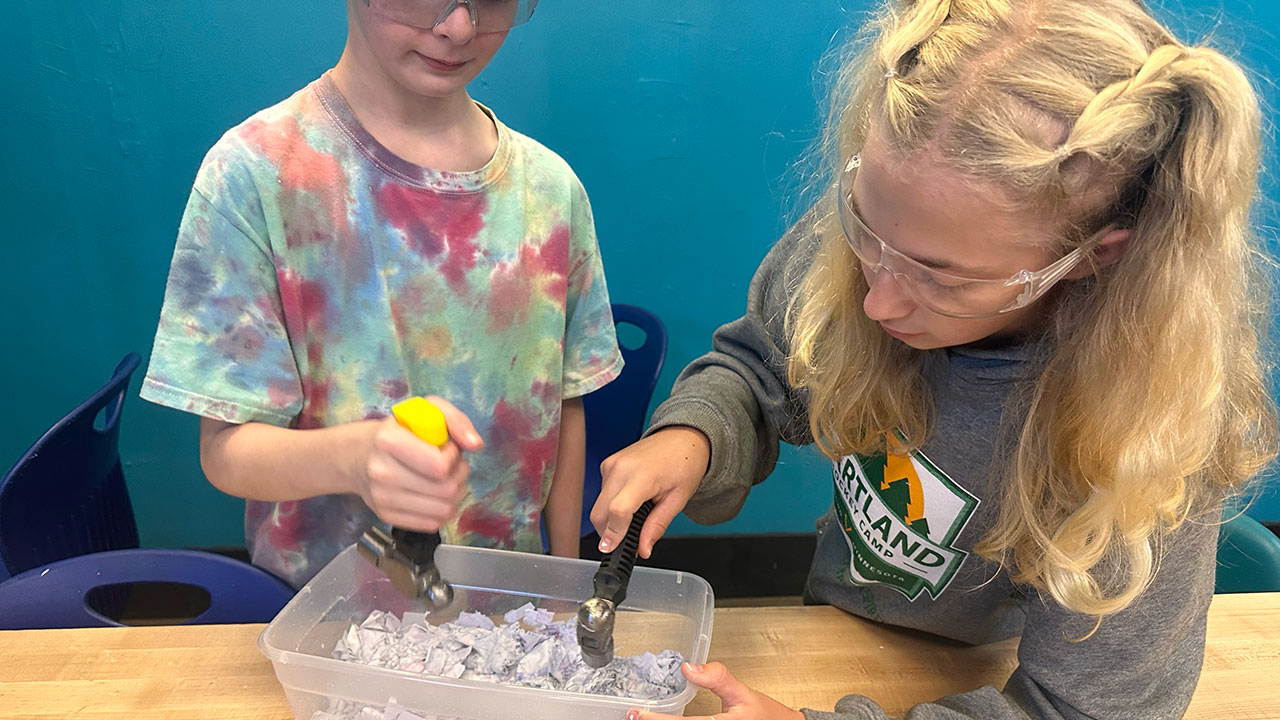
x,y
1022,323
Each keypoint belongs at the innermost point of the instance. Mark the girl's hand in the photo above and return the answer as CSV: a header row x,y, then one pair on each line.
x,y
411,483
738,702
665,467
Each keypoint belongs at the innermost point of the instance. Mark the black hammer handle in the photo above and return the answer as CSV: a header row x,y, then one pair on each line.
x,y
610,581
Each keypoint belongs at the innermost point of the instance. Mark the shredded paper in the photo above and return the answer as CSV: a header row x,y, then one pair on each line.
x,y
528,650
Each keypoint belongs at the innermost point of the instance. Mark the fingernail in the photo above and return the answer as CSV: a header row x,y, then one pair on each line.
x,y
633,714
604,545
694,667
473,438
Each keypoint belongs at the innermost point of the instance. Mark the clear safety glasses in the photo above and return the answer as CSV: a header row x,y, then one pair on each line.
x,y
486,15
941,292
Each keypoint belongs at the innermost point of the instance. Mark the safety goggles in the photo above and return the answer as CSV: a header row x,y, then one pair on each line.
x,y
943,293
486,15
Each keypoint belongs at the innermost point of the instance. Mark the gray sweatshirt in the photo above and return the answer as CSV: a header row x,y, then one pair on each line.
x,y
897,545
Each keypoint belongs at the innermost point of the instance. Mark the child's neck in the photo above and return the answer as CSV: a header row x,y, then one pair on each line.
x,y
443,133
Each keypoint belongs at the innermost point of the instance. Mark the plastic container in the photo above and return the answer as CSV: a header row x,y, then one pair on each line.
x,y
664,609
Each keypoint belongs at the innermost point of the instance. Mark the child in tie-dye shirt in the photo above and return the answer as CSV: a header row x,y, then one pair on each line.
x,y
380,235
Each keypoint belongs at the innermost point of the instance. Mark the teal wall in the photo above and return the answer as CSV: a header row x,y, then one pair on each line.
x,y
682,119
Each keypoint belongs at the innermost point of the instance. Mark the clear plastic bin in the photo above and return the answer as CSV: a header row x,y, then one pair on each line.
x,y
664,609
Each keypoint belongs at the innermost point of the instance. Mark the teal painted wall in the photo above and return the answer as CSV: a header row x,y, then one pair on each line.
x,y
681,118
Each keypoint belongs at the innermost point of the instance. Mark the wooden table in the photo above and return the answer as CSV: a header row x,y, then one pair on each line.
x,y
215,671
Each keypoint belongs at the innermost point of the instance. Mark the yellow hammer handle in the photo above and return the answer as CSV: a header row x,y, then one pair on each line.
x,y
422,418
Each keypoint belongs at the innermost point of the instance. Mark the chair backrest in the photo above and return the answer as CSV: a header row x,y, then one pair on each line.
x,y
615,413
1248,557
55,596
66,496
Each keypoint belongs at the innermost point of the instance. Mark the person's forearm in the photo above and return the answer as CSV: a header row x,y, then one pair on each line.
x,y
263,462
564,503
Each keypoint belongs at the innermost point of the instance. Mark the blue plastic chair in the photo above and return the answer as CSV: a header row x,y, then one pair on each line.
x,y
1248,557
55,596
615,413
67,496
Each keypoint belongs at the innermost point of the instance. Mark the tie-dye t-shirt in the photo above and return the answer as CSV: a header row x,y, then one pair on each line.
x,y
318,279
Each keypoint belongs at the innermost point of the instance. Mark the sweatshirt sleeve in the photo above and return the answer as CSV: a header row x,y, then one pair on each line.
x,y
738,394
1143,663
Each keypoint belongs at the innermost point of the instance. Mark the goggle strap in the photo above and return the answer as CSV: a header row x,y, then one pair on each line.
x,y
1038,282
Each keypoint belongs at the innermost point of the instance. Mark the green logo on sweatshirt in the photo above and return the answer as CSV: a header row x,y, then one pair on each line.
x,y
900,516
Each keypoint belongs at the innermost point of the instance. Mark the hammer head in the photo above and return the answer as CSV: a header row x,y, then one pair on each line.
x,y
413,579
595,631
